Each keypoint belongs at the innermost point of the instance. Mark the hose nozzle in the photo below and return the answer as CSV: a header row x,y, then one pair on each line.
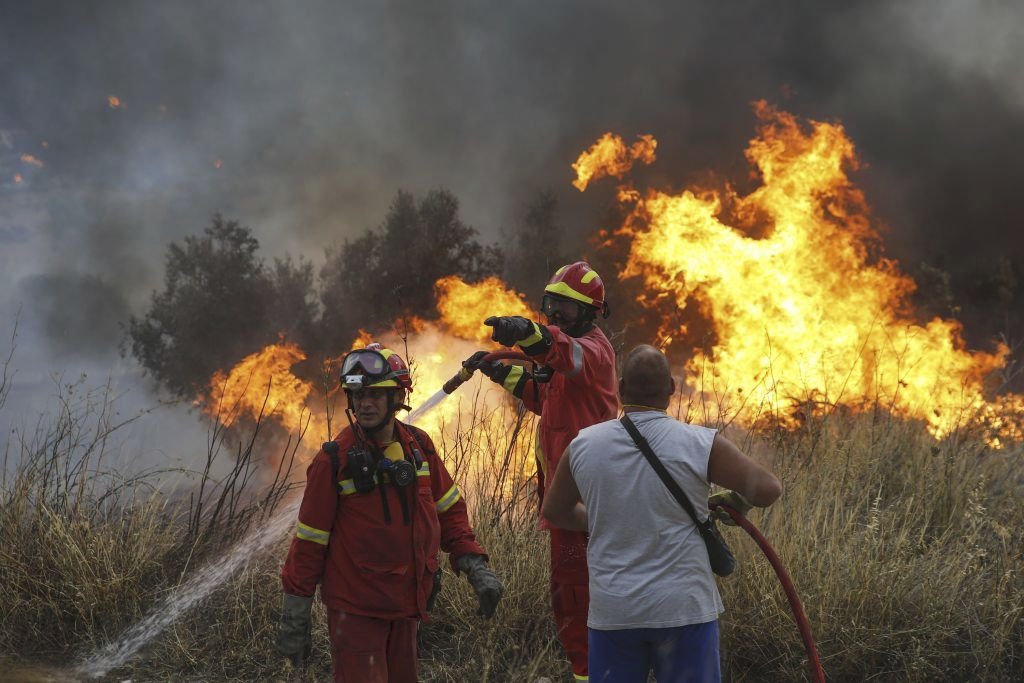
x,y
457,380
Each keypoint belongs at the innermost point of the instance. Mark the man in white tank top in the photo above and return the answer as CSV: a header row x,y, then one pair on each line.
x,y
654,603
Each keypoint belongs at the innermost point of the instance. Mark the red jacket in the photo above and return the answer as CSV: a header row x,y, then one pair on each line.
x,y
364,565
582,392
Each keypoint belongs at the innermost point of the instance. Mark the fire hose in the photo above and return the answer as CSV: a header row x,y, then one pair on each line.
x,y
817,674
463,375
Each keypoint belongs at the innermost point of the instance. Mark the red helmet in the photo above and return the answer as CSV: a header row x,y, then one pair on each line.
x,y
577,281
375,366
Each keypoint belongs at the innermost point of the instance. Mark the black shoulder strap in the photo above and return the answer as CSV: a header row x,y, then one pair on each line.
x,y
677,492
331,449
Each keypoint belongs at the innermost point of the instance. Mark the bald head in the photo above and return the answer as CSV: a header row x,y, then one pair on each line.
x,y
646,378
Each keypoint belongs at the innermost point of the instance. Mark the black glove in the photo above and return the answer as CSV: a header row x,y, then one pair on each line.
x,y
495,370
513,378
485,583
435,591
295,635
533,339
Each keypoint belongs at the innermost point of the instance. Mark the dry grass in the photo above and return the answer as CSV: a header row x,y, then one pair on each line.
x,y
906,552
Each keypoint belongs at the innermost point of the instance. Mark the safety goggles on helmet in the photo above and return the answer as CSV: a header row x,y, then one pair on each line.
x,y
368,361
364,368
567,309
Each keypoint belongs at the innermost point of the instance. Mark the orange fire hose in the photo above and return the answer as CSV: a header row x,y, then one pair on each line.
x,y
817,674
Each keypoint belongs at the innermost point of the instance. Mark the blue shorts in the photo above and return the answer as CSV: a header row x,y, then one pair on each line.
x,y
683,653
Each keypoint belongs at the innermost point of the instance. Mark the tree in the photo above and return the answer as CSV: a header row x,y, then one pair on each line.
x,y
293,312
219,303
537,248
347,296
369,282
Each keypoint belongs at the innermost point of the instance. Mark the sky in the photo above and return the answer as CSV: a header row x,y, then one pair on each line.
x,y
303,119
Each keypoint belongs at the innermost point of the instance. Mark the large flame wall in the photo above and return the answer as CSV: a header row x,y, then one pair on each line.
x,y
802,308
800,312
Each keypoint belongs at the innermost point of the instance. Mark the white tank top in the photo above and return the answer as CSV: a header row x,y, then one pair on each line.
x,y
648,564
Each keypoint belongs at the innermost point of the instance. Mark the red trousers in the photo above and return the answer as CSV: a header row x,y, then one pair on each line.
x,y
368,650
570,596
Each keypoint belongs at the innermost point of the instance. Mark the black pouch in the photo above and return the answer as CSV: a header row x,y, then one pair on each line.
x,y
722,561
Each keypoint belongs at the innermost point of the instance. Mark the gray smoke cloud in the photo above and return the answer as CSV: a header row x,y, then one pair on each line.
x,y
301,120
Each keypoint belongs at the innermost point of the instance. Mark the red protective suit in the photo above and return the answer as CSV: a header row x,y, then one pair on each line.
x,y
364,565
582,392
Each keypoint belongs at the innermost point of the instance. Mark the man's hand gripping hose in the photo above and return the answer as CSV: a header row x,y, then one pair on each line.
x,y
817,674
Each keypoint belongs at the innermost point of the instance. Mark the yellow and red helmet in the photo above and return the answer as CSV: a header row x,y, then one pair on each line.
x,y
374,366
578,282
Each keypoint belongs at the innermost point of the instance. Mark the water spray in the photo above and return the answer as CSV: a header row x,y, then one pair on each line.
x,y
199,586
461,377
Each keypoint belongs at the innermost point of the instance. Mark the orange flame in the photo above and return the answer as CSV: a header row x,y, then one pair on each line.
x,y
464,307
801,313
609,156
363,339
18,179
31,160
114,102
263,384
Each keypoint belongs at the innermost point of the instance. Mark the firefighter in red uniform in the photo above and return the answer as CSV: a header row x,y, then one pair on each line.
x,y
577,388
378,506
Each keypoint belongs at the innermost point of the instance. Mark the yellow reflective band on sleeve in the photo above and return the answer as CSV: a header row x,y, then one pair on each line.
x,y
308,533
424,470
512,379
448,499
581,678
346,487
533,338
577,359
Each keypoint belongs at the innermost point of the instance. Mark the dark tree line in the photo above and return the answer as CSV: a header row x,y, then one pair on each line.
x,y
221,301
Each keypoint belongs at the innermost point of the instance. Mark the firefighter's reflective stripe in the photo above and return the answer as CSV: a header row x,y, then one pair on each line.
x,y
512,379
581,678
424,470
533,338
308,533
577,359
447,500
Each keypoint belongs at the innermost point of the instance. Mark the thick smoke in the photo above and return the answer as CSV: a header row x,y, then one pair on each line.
x,y
302,119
